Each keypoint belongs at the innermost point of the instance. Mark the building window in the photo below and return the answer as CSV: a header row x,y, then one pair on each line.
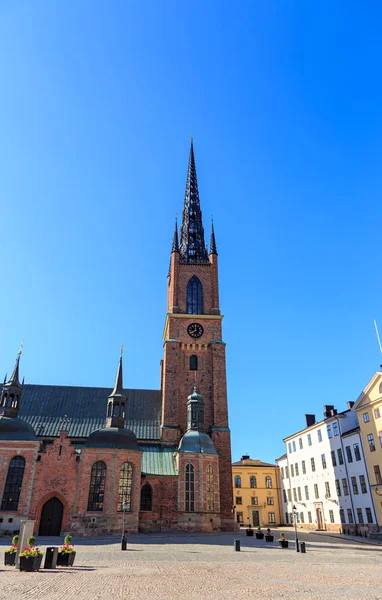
x,y
289,495
345,486
125,486
380,437
287,472
237,481
194,296
97,486
370,439
303,465
312,464
300,443
333,455
377,413
309,517
340,456
252,481
366,417
350,515
271,517
239,500
13,483
287,518
323,459
285,496
349,455
255,500
193,362
282,472
306,492
268,482
291,518
309,439
354,485
342,515
146,497
331,516
316,494
190,488
299,494
360,516
289,447
369,516
319,435
295,494
327,489
270,500
335,428
357,452
210,488
338,487
377,473
329,430
294,446
302,517
239,517
362,483
296,469
292,470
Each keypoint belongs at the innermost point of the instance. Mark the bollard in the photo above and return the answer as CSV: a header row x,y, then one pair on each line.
x,y
51,556
302,548
237,545
123,543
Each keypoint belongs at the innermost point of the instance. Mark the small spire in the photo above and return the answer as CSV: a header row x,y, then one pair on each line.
x,y
118,386
14,380
213,249
175,239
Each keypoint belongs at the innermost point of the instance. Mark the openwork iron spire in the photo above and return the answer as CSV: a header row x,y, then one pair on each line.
x,y
192,246
175,239
213,249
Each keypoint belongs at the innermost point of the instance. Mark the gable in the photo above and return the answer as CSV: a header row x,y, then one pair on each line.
x,y
371,393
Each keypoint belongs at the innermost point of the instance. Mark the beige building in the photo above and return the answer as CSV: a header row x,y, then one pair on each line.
x,y
256,492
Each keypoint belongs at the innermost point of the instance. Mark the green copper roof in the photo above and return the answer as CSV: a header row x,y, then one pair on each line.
x,y
157,460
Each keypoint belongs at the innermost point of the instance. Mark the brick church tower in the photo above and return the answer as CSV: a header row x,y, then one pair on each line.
x,y
194,353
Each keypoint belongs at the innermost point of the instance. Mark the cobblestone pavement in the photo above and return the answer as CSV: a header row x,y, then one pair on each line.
x,y
197,566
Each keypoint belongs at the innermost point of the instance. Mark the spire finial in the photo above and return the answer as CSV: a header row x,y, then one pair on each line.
x,y
21,348
121,351
175,239
213,249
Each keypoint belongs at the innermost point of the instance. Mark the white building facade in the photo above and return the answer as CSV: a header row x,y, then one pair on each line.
x,y
324,480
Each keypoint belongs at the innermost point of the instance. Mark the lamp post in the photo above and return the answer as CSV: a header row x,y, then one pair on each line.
x,y
295,527
123,539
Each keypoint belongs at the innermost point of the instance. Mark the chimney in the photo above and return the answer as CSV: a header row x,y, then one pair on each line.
x,y
310,420
350,405
333,412
327,409
245,457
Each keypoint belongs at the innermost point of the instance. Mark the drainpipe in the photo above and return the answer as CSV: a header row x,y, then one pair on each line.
x,y
347,477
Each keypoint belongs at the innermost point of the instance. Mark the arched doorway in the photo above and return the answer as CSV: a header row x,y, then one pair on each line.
x,y
51,517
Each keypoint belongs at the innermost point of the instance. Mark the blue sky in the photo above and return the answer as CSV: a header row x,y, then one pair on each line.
x,y
283,98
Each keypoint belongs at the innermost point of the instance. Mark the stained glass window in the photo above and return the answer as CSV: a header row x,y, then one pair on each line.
x,y
190,488
125,487
97,486
13,483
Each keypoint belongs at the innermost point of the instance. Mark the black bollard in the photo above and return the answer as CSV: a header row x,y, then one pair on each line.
x,y
302,548
237,545
123,543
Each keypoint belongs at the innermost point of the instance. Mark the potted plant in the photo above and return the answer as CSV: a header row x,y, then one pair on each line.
x,y
30,557
10,553
283,541
249,530
268,536
259,534
66,553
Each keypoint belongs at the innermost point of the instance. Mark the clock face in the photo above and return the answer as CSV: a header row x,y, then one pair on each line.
x,y
195,330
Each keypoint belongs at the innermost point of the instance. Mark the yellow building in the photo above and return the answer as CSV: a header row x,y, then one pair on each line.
x,y
256,493
369,412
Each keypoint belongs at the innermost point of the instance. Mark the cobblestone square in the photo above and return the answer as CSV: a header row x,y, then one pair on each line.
x,y
196,566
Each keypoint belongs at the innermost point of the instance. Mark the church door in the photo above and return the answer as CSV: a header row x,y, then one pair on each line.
x,y
51,517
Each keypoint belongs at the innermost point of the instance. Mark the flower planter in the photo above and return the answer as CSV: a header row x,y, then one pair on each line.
x,y
30,563
66,559
269,538
10,559
249,532
259,535
283,543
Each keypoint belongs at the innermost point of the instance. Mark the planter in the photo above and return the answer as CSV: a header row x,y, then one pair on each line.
x,y
283,543
10,559
66,559
259,535
269,538
249,532
30,563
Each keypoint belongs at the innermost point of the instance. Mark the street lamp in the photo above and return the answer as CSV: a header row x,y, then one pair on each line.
x,y
295,527
123,540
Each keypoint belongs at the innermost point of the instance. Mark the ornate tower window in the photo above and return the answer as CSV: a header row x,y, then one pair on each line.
x,y
210,488
193,363
125,486
13,483
252,481
147,497
97,486
190,488
194,296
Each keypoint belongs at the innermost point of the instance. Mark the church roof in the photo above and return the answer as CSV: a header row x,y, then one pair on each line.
x,y
46,406
158,460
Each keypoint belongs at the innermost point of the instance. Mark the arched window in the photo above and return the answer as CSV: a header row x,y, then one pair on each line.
x,y
13,484
125,487
237,481
190,489
193,363
210,488
147,497
97,486
252,481
268,482
194,296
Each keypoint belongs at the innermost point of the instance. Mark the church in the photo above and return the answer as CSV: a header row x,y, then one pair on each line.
x,y
90,460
